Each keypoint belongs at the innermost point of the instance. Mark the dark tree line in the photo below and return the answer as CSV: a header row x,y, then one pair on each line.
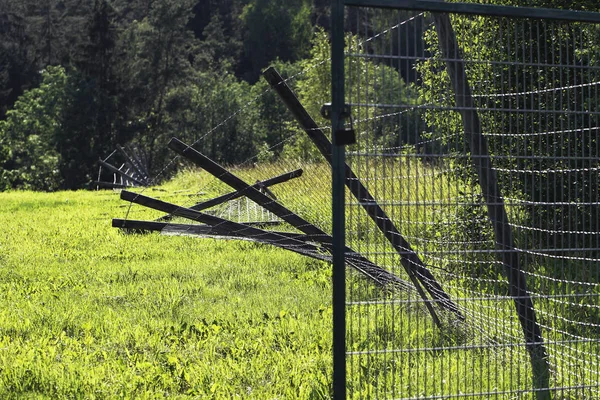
x,y
108,72
78,77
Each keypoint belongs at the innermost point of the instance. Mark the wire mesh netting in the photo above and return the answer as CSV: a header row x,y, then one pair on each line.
x,y
279,195
478,138
472,202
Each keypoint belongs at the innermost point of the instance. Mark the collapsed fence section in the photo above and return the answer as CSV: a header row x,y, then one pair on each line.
x,y
478,137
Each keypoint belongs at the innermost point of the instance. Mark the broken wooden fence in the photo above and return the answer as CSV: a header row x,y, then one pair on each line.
x,y
312,241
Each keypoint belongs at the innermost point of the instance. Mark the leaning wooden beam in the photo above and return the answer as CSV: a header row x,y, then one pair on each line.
x,y
220,225
248,190
299,244
258,185
122,173
208,231
355,260
237,194
110,185
413,265
358,261
197,230
480,157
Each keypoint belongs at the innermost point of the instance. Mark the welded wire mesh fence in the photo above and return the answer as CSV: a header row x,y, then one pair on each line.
x,y
478,138
472,200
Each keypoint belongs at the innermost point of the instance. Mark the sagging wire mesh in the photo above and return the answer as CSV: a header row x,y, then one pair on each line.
x,y
478,139
280,196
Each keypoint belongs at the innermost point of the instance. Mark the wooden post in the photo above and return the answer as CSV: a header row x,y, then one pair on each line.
x,y
302,244
248,190
197,230
490,189
220,225
110,185
413,265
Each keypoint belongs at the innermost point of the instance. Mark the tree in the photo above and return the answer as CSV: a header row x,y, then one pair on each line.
x,y
206,111
217,51
155,55
28,155
89,129
274,30
17,56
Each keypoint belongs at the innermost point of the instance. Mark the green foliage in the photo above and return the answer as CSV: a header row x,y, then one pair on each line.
x,y
313,88
207,109
563,145
275,29
140,75
156,58
17,60
274,126
28,135
218,52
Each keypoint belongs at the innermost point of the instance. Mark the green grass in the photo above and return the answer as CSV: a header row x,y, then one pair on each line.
x,y
88,312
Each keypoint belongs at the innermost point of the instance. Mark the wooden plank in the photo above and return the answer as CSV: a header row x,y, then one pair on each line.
x,y
119,172
154,226
108,185
247,190
237,194
356,260
207,230
199,230
220,225
413,265
299,244
261,224
480,157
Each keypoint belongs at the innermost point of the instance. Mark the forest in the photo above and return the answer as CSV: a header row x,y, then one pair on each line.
x,y
79,77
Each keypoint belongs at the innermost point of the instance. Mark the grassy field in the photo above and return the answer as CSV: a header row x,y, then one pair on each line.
x,y
88,312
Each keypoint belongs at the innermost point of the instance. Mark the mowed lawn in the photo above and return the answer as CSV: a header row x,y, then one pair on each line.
x,y
89,312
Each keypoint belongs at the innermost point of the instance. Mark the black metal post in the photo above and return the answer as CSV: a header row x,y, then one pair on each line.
x,y
338,162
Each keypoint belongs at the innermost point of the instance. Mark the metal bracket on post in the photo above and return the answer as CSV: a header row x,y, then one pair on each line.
x,y
342,136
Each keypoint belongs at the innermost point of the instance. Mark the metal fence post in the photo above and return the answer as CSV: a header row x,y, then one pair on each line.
x,y
338,201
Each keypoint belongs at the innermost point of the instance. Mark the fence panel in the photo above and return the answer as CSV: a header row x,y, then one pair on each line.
x,y
477,136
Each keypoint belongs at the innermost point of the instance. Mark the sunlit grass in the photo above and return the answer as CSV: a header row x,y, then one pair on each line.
x,y
90,312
